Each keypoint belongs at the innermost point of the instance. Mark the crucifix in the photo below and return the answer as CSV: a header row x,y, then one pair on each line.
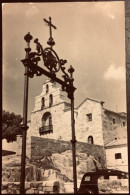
x,y
51,41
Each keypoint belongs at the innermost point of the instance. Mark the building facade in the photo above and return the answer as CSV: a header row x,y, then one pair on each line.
x,y
117,154
51,118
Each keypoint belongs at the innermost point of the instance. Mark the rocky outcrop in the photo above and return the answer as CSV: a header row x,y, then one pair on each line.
x,y
61,166
64,163
57,167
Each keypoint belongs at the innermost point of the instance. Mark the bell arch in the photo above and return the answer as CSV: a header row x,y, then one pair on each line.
x,y
50,100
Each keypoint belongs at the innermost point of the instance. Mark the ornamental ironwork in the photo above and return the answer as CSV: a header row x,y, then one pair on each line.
x,y
53,64
46,129
50,59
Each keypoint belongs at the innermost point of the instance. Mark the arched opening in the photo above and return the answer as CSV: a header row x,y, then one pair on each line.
x,y
43,103
47,88
47,126
50,100
90,140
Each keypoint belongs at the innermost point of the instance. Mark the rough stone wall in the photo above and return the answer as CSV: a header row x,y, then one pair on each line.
x,y
41,147
93,128
110,130
60,122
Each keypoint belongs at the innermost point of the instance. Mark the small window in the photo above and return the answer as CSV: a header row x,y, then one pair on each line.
x,y
89,117
47,88
114,120
123,124
50,100
90,140
118,156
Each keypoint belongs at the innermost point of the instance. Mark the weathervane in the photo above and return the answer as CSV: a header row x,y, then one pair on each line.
x,y
54,64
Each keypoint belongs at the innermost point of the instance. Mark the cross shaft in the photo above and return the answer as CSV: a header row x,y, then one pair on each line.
x,y
50,25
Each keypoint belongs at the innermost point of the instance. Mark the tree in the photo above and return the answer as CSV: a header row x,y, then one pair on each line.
x,y
11,126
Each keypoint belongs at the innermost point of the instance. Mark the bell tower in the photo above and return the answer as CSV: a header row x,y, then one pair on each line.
x,y
50,96
49,112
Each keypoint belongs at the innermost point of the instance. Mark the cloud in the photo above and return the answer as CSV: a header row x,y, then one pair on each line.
x,y
111,16
116,73
32,12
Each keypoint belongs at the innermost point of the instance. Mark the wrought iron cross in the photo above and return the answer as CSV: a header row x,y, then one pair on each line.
x,y
50,25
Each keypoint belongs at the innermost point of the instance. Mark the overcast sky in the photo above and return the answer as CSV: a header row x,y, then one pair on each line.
x,y
89,35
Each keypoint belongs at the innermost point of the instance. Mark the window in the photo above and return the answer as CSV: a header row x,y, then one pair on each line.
x,y
47,119
47,88
43,103
89,117
90,140
87,178
123,124
47,126
114,120
50,100
118,156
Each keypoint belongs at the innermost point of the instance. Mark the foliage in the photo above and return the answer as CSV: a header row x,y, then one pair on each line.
x,y
11,126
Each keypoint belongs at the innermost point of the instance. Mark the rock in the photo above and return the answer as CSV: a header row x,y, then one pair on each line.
x,y
68,187
4,191
17,192
30,191
27,185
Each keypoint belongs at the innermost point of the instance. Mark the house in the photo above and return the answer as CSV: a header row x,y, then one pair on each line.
x,y
117,154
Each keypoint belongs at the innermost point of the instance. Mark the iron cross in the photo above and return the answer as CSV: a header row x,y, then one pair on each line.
x,y
50,25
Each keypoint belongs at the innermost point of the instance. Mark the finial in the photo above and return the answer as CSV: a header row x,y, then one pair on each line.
x,y
28,37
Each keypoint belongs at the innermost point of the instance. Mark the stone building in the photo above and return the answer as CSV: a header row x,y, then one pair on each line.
x,y
51,118
117,154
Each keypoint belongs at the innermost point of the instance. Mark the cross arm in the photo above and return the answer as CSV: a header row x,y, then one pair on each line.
x,y
49,23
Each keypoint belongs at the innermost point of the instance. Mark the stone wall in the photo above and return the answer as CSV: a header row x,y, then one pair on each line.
x,y
111,130
32,187
122,163
60,120
59,154
105,187
42,147
85,128
116,186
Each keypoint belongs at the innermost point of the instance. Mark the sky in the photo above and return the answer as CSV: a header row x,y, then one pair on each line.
x,y
89,35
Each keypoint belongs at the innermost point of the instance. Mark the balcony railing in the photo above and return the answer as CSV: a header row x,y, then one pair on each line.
x,y
46,129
